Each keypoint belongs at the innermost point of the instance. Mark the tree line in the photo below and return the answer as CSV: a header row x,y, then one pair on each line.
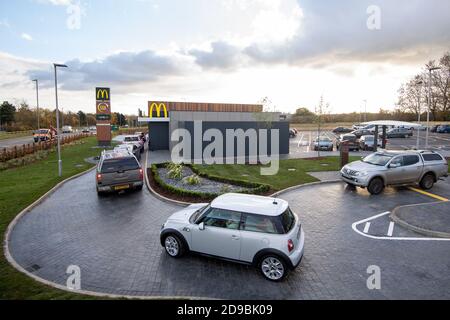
x,y
20,117
428,89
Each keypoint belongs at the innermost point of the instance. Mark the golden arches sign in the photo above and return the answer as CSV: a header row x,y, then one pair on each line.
x,y
159,107
103,94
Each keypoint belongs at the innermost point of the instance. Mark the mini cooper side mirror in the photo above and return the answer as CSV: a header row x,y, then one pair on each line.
x,y
201,226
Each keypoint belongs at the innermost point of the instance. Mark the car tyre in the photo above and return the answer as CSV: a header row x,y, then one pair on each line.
x,y
427,181
273,267
375,186
173,245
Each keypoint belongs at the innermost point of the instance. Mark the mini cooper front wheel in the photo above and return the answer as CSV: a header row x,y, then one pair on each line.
x,y
273,268
174,246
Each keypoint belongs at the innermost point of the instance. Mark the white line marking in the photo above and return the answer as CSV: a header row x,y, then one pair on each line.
x,y
301,140
354,227
391,229
366,227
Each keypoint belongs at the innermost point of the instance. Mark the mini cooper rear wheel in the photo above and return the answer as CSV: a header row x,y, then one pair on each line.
x,y
174,246
273,268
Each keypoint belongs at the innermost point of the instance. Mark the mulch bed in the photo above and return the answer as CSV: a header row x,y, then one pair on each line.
x,y
177,197
171,195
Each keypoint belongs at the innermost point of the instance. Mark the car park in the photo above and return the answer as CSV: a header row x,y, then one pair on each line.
x,y
396,168
399,133
255,230
368,142
350,139
118,170
323,143
443,129
340,130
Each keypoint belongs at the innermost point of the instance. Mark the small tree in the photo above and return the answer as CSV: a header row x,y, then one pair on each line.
x,y
7,112
321,110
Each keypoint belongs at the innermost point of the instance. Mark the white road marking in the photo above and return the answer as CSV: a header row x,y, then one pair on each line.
x,y
354,227
366,227
391,229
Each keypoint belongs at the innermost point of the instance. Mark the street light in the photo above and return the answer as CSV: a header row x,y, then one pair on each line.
x,y
37,101
365,110
430,70
55,65
419,83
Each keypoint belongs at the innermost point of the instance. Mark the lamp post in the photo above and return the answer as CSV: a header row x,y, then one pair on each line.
x,y
37,102
57,118
430,70
419,83
365,110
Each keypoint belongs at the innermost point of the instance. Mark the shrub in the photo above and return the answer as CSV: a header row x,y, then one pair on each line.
x,y
193,180
175,171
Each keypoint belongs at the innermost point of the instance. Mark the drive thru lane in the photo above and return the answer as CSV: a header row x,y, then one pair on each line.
x,y
115,242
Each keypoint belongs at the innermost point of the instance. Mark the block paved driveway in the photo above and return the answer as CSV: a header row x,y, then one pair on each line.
x,y
115,242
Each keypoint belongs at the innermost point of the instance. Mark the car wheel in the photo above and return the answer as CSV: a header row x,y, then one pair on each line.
x,y
101,193
376,186
139,188
273,268
174,246
427,181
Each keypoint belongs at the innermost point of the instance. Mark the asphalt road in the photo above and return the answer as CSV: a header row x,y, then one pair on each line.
x,y
115,242
7,143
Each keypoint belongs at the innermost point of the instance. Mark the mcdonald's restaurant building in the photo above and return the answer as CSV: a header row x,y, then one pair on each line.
x,y
164,117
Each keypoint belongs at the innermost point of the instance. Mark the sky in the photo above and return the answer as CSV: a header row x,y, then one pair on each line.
x,y
233,51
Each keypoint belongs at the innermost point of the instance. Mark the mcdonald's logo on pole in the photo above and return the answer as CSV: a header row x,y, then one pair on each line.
x,y
158,107
102,94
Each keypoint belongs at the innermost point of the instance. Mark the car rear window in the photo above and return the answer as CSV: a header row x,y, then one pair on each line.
x,y
432,157
287,220
122,164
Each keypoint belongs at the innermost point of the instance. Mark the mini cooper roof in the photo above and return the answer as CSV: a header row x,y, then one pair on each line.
x,y
250,204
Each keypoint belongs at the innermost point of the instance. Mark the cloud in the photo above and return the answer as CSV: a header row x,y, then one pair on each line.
x,y
337,31
4,23
55,2
26,36
221,55
120,69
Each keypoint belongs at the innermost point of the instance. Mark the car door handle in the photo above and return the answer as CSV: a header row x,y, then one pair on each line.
x,y
235,237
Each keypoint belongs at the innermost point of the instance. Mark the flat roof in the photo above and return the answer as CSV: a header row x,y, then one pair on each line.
x,y
206,106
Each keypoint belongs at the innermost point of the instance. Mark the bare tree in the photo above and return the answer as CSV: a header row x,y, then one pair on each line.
x,y
322,109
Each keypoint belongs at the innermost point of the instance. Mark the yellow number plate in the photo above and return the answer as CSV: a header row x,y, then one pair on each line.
x,y
121,187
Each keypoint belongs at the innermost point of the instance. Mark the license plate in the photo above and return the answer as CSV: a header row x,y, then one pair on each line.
x,y
121,187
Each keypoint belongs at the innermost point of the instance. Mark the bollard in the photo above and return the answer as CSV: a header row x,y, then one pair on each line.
x,y
344,150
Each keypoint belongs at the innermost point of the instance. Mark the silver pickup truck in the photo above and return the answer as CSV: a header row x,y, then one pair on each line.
x,y
396,168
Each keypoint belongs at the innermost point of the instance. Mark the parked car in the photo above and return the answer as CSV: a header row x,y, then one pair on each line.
x,y
292,133
118,170
351,139
399,133
358,126
398,168
133,148
434,128
67,129
254,230
362,132
43,135
443,129
323,143
85,130
340,130
367,142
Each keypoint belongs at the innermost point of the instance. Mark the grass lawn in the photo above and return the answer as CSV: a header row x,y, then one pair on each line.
x,y
284,178
19,188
